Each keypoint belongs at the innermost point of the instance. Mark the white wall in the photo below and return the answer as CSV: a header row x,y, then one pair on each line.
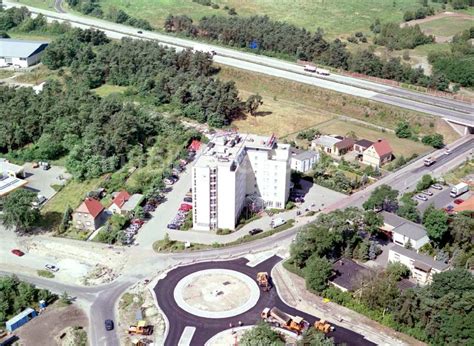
x,y
415,244
421,277
201,198
23,63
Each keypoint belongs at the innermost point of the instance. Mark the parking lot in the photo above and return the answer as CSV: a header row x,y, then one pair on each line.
x,y
40,180
440,199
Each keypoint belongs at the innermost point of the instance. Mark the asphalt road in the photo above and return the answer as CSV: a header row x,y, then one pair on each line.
x,y
208,327
451,109
58,6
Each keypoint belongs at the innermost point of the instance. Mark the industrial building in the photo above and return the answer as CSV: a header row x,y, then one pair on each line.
x,y
236,171
20,53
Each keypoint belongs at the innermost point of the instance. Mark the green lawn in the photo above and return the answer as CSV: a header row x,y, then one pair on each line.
x,y
107,89
34,36
45,4
426,49
446,26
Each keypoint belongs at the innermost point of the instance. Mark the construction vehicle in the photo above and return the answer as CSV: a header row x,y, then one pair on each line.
x,y
281,319
323,326
140,329
263,280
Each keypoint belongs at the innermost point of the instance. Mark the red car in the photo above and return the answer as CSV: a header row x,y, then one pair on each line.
x,y
17,252
138,222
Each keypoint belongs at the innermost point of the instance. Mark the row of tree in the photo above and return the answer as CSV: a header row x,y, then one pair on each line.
x,y
263,35
457,4
93,8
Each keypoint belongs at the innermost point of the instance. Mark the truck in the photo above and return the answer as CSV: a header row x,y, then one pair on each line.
x,y
283,320
322,71
459,189
277,222
310,68
263,280
140,329
429,161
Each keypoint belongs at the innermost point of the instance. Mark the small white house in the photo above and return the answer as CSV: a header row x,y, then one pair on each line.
x,y
20,53
303,160
404,231
422,267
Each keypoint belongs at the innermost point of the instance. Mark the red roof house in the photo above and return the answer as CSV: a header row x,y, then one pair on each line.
x,y
90,215
118,201
195,145
378,153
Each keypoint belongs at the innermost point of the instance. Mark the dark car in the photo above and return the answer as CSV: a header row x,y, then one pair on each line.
x,y
173,226
255,231
188,199
18,252
109,325
140,32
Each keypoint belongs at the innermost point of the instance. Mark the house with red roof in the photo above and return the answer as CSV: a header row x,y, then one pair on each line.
x,y
123,203
379,153
90,215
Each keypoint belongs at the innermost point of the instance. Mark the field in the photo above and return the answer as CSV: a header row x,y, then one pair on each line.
x,y
6,74
446,26
107,89
290,107
335,17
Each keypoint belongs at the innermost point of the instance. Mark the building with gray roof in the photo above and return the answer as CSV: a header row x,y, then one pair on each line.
x,y
303,160
20,53
403,231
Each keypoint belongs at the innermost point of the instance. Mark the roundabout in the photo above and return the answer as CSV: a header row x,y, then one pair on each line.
x,y
211,297
216,293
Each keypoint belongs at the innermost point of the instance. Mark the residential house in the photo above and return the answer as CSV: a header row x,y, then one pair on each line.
x,y
343,146
347,274
361,145
325,143
403,231
90,215
422,267
379,153
20,53
303,160
11,169
123,203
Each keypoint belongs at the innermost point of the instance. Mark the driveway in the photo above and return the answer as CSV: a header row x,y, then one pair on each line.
x,y
40,180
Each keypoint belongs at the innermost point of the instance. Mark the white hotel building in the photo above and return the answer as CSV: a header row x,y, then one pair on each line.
x,y
234,169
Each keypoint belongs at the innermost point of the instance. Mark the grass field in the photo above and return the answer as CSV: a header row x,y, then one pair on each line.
x,y
446,26
36,76
107,89
35,36
6,74
290,106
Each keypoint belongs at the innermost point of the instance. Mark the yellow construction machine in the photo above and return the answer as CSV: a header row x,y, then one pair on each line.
x,y
323,326
263,280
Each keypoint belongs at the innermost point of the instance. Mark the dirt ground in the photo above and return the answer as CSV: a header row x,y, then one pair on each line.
x,y
139,299
46,328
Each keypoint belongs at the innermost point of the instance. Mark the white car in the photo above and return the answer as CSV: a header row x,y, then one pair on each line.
x,y
421,197
51,267
447,151
427,192
437,186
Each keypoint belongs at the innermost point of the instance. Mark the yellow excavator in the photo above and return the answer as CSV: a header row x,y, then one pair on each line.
x,y
323,326
140,329
263,280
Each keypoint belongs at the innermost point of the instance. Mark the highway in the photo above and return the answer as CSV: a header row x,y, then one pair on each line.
x,y
436,106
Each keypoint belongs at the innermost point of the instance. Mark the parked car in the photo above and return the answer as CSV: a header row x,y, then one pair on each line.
x,y
458,201
168,181
427,192
51,267
138,222
173,226
437,186
188,199
421,197
109,325
255,231
18,252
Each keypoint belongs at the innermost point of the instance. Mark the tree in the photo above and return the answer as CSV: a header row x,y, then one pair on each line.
x,y
425,182
398,271
316,273
403,130
373,221
252,103
65,299
383,197
313,337
408,209
261,335
18,212
436,224
435,140
461,228
67,217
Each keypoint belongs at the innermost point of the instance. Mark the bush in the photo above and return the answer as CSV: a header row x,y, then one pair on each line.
x,y
45,274
435,140
223,231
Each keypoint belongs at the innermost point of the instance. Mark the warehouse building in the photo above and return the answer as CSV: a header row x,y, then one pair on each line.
x,y
20,53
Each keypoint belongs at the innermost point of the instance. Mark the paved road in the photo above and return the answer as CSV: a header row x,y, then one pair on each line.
x,y
58,7
454,110
208,327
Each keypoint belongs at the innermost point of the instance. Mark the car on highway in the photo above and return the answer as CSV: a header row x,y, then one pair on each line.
x,y
447,151
458,201
437,186
255,231
427,192
51,267
18,252
109,325
139,32
421,197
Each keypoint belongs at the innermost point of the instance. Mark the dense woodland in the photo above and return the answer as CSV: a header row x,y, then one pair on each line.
x,y
281,39
440,313
15,296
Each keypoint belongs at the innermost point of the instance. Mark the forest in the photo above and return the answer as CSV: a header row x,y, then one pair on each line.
x,y
440,313
15,296
262,35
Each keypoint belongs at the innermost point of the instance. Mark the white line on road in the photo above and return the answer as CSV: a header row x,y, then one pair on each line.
x,y
186,337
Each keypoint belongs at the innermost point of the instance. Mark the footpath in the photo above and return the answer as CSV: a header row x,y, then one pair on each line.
x,y
291,289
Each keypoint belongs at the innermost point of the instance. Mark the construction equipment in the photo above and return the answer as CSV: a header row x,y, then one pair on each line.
x,y
323,326
140,329
281,319
263,280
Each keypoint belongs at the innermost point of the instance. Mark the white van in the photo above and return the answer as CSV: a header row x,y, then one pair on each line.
x,y
277,222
